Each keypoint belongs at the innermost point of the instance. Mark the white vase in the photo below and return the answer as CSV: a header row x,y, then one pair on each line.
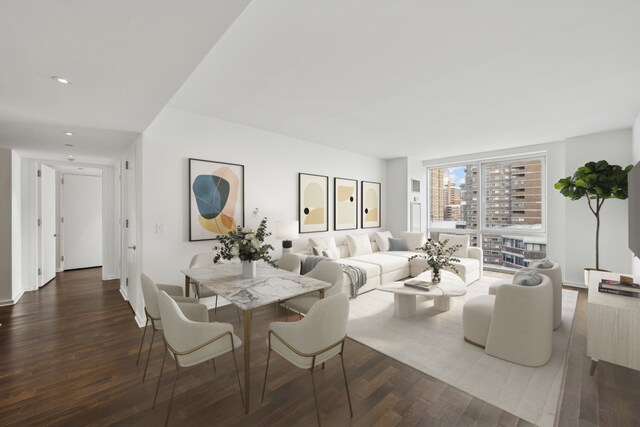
x,y
248,269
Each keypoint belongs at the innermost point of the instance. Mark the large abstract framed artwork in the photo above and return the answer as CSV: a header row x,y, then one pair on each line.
x,y
345,214
313,203
216,198
370,214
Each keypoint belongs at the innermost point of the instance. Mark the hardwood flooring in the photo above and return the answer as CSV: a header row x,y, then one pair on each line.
x,y
68,356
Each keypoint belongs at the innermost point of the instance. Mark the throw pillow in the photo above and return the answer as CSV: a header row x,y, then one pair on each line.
x,y
414,240
325,244
541,263
317,250
397,244
457,239
527,278
382,240
359,244
327,255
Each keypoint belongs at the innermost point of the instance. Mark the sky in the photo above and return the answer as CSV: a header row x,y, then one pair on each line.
x,y
456,175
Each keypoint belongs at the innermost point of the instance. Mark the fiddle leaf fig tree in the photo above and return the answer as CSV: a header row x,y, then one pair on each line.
x,y
597,182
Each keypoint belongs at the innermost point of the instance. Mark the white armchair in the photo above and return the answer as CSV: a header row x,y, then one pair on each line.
x,y
516,324
190,343
313,340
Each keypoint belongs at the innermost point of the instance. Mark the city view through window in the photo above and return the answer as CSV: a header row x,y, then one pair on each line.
x,y
502,207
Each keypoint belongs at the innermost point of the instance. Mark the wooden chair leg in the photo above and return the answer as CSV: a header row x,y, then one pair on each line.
x,y
146,365
346,385
142,341
159,379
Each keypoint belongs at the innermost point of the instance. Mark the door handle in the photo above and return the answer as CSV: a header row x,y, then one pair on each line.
x,y
132,247
55,235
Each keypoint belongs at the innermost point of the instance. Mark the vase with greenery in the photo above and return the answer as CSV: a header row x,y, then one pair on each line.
x,y
247,245
438,256
597,182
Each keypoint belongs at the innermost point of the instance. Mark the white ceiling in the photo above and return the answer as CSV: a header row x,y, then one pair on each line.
x,y
125,60
387,78
424,78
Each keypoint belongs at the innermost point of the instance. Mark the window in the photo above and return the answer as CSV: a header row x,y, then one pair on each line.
x,y
500,204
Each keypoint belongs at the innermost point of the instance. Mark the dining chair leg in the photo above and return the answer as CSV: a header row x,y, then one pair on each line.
x,y
238,313
346,385
235,362
315,397
142,341
159,379
173,390
215,310
213,361
146,365
277,306
264,384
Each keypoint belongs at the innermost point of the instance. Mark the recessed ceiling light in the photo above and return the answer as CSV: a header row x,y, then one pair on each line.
x,y
70,157
68,133
61,80
68,145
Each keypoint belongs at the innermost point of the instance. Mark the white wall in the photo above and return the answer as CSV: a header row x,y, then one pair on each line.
x,y
10,227
271,165
635,158
615,147
398,186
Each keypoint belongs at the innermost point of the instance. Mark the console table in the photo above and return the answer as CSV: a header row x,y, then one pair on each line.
x,y
613,325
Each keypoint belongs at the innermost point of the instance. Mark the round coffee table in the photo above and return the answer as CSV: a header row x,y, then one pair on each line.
x,y
404,297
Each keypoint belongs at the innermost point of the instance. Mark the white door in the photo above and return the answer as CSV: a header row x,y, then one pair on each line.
x,y
130,275
47,224
82,221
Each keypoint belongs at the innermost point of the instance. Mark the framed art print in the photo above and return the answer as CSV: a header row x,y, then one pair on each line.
x,y
345,205
370,214
216,198
313,203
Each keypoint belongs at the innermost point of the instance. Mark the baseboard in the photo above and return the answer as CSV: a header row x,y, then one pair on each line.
x,y
124,296
12,301
110,277
140,322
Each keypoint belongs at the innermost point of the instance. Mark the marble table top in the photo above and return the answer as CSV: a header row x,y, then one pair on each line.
x,y
270,284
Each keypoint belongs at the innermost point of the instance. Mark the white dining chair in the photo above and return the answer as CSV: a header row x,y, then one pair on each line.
x,y
313,340
190,343
326,271
289,262
150,296
203,260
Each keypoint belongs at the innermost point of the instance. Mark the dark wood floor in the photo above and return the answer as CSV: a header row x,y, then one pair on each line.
x,y
68,351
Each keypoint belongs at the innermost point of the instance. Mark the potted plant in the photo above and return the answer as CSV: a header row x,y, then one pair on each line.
x,y
597,182
247,245
438,256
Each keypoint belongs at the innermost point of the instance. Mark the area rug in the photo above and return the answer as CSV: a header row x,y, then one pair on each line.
x,y
432,342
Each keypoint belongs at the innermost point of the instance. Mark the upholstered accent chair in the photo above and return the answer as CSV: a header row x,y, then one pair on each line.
x,y
515,324
555,274
313,340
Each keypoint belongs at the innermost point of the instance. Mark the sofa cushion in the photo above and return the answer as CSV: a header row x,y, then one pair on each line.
x,y
414,240
397,244
527,278
373,270
359,244
387,263
325,243
456,239
382,239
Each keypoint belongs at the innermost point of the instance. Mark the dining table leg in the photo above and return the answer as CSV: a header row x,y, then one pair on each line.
x,y
247,358
187,285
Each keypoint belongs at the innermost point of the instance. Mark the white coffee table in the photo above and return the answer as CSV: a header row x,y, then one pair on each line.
x,y
404,297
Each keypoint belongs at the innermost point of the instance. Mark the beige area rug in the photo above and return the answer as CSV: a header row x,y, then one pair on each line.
x,y
432,342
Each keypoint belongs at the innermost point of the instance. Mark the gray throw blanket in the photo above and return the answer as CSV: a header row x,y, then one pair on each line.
x,y
357,275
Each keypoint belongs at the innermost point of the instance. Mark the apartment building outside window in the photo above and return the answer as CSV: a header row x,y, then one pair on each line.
x,y
500,204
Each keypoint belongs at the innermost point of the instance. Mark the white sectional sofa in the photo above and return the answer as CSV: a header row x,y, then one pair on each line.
x,y
386,265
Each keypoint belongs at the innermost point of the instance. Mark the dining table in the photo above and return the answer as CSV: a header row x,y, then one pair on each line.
x,y
270,286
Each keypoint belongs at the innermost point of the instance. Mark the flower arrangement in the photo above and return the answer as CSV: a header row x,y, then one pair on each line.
x,y
438,256
245,243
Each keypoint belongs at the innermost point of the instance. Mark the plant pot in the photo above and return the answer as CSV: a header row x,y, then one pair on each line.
x,y
436,275
248,269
